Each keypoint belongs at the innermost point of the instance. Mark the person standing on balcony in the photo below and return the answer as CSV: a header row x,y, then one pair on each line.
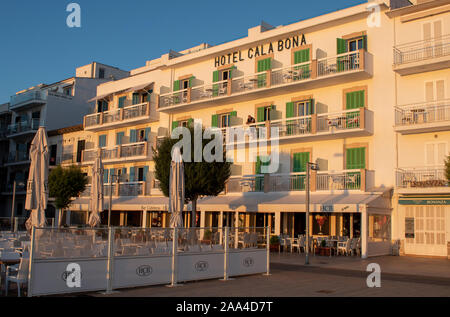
x,y
250,119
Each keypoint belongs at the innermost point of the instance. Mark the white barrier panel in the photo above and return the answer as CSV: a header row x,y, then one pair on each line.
x,y
247,262
200,266
378,248
50,276
142,271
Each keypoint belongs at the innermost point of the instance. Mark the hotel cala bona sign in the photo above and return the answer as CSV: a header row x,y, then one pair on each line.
x,y
260,50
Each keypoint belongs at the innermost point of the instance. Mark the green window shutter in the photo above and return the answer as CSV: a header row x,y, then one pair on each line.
x,y
176,85
102,141
135,98
356,99
215,76
311,106
133,136
231,71
124,171
301,56
191,81
119,137
260,114
132,169
191,122
341,46
365,42
300,160
290,112
122,102
264,64
174,125
233,114
145,173
260,163
356,158
147,133
215,121
105,176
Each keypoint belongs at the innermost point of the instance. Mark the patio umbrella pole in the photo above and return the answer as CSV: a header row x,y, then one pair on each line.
x,y
308,169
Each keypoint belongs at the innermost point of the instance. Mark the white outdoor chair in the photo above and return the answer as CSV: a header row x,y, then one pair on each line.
x,y
353,246
344,247
295,244
217,247
21,277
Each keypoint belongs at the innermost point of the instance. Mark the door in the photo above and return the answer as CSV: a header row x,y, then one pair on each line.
x,y
80,148
429,236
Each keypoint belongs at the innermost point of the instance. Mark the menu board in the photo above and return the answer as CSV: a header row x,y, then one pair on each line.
x,y
409,227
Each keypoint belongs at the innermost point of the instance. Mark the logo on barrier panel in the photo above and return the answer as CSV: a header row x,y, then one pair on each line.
x,y
144,270
72,275
201,266
248,262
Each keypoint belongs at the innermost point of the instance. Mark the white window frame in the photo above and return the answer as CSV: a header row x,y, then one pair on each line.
x,y
435,143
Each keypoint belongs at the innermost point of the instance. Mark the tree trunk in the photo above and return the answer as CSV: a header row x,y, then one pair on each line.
x,y
194,213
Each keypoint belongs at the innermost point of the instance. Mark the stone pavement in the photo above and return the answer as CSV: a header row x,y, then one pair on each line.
x,y
404,265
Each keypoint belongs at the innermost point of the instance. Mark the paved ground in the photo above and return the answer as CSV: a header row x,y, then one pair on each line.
x,y
343,276
336,276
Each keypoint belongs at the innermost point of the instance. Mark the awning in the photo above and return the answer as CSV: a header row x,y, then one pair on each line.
x,y
140,87
99,97
375,203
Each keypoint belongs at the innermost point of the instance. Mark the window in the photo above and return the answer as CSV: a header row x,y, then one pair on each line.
x,y
80,148
222,120
122,102
356,158
435,90
101,73
355,44
67,91
53,151
102,141
102,106
355,99
265,113
136,98
435,154
119,138
304,108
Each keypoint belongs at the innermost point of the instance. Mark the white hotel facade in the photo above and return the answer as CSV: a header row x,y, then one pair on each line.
x,y
367,101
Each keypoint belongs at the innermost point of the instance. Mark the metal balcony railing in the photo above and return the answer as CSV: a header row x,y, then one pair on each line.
x,y
117,115
24,126
122,151
422,50
19,156
128,189
429,112
422,177
342,63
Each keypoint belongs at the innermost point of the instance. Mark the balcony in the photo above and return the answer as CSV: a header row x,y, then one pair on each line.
x,y
317,73
422,180
422,56
324,126
320,181
18,158
128,189
117,118
128,152
425,117
28,99
22,128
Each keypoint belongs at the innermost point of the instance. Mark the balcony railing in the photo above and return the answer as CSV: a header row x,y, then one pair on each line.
x,y
422,50
424,177
117,115
27,97
315,124
429,112
320,181
20,156
24,126
119,152
342,63
129,189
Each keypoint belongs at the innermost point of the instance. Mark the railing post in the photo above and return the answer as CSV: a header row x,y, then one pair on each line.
x,y
188,97
110,261
229,83
362,118
362,59
314,123
266,183
314,69
121,114
313,181
100,121
269,78
363,180
119,151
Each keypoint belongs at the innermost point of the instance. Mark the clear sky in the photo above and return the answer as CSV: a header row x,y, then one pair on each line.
x,y
36,46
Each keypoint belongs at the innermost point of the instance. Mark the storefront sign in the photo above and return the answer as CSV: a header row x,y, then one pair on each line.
x,y
326,208
409,228
424,202
260,50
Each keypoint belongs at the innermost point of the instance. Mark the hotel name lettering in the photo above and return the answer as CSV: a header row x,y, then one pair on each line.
x,y
260,50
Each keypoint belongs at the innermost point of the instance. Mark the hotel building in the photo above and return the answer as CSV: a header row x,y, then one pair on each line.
x,y
54,106
346,90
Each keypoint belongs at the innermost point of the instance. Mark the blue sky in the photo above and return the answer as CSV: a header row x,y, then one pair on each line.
x,y
38,47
